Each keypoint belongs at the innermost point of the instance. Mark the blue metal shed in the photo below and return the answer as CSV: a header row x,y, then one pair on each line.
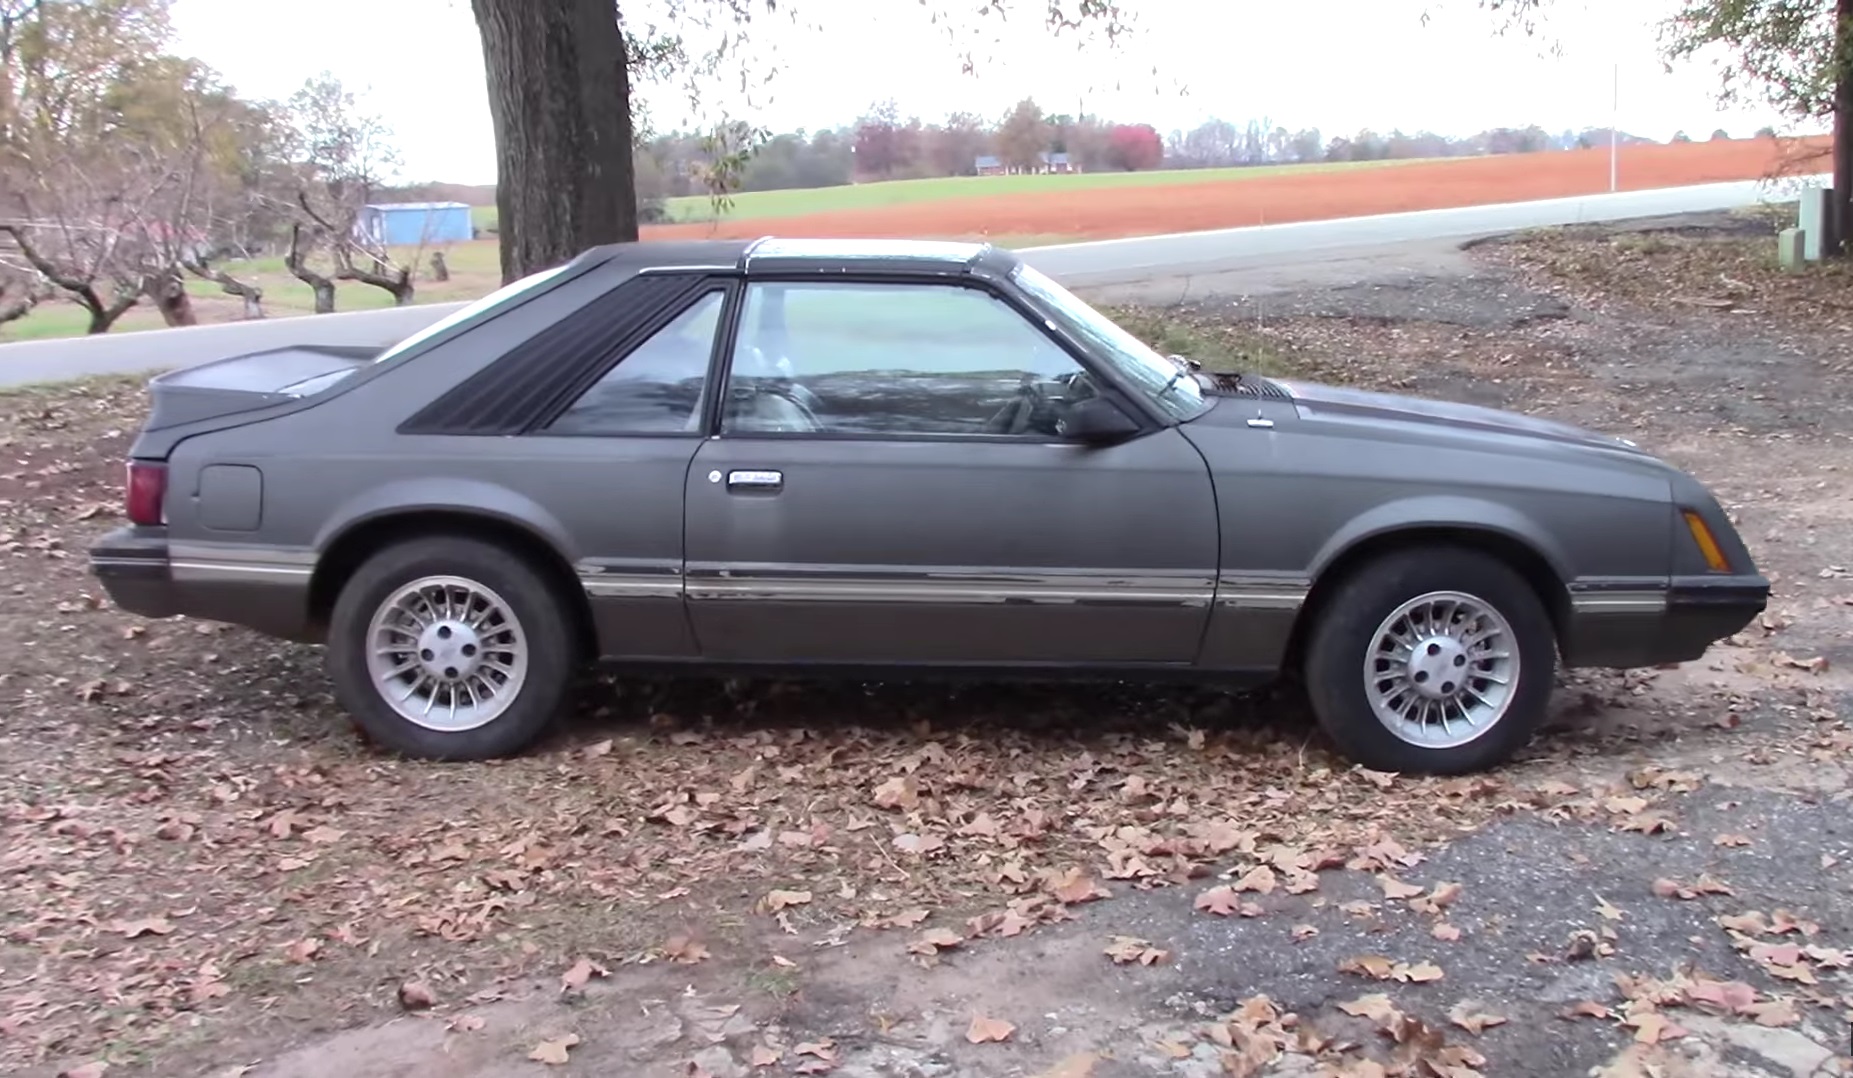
x,y
412,224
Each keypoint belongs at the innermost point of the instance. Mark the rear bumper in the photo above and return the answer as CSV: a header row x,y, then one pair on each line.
x,y
133,566
1675,625
139,571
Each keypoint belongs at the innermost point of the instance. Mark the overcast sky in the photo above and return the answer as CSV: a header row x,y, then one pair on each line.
x,y
1338,65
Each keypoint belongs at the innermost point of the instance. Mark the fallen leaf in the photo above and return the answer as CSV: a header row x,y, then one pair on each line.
x,y
1420,973
466,1023
1075,886
93,1069
934,940
147,926
778,900
1445,931
764,1055
1221,901
416,996
1301,933
1128,949
1731,840
1369,965
1470,1018
1775,1012
1376,1007
303,950
552,1051
579,973
1394,888
987,1030
684,950
901,793
1260,880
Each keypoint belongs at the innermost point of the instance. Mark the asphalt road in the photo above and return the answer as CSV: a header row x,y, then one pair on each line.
x,y
1247,255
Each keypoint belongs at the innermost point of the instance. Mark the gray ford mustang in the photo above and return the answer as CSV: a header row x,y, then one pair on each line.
x,y
887,458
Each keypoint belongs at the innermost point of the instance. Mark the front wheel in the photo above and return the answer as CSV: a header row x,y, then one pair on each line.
x,y
1436,661
450,649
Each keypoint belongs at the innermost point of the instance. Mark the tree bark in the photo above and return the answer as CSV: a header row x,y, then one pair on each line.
x,y
559,95
297,262
1839,216
252,295
169,292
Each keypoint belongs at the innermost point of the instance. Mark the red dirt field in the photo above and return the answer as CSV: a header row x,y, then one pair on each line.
x,y
1103,213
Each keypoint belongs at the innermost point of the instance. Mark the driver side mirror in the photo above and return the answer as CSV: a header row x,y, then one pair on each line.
x,y
1097,421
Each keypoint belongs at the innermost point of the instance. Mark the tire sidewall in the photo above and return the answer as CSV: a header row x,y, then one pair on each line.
x,y
536,604
1347,630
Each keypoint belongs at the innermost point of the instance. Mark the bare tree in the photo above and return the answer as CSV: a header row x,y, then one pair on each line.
x,y
20,291
297,262
347,154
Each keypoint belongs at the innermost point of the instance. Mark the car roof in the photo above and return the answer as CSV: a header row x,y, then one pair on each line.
x,y
782,255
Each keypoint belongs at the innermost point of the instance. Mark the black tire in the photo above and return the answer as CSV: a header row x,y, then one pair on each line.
x,y
545,624
1344,636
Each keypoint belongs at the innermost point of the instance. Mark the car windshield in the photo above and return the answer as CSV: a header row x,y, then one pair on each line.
x,y
1168,384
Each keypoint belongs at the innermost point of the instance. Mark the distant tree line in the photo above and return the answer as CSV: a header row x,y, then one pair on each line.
x,y
884,145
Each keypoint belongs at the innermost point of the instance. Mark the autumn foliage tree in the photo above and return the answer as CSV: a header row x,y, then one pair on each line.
x,y
1133,147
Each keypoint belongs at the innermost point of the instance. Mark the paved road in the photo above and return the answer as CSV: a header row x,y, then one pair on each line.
x,y
1137,267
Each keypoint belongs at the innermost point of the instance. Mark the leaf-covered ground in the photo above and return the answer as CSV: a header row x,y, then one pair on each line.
x,y
201,868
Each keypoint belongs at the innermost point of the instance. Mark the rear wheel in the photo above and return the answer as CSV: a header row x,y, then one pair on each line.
x,y
451,649
1436,661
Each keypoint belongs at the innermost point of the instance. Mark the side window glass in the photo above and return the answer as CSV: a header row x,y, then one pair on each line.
x,y
657,388
906,359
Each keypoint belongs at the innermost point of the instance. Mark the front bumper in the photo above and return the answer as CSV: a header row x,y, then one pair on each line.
x,y
1697,612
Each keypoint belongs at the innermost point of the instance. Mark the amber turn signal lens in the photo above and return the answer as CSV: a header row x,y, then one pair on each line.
x,y
1708,546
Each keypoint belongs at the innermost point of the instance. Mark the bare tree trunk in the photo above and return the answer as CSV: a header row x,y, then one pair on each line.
x,y
17,307
297,262
397,283
252,295
440,269
169,292
1839,219
559,94
82,290
103,316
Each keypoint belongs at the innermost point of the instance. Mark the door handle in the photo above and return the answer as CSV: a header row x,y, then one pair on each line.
x,y
761,480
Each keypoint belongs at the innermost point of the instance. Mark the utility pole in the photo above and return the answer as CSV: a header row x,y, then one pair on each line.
x,y
1615,132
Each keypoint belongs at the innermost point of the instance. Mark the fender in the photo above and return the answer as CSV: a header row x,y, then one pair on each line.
x,y
1442,511
446,494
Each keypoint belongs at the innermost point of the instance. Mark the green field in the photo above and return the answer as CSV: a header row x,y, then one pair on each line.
x,y
475,270
752,205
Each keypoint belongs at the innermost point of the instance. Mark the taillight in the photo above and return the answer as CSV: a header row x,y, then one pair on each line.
x,y
147,488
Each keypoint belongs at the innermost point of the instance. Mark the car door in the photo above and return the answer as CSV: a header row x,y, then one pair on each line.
x,y
612,463
886,486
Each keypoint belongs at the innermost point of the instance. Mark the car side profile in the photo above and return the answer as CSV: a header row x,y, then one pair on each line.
x,y
895,458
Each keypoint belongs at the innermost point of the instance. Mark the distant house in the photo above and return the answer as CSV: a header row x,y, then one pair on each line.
x,y
414,224
989,165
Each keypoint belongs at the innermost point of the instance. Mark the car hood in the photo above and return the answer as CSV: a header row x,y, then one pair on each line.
x,y
1316,401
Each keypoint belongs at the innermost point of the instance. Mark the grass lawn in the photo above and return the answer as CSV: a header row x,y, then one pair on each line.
x,y
475,270
755,204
